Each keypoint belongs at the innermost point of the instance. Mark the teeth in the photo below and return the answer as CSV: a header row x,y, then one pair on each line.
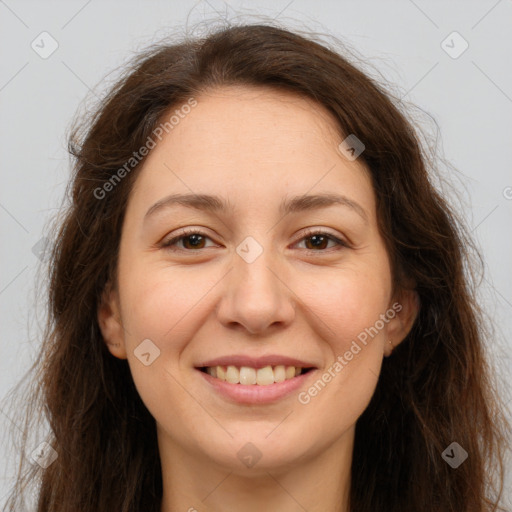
x,y
250,376
279,373
265,376
233,375
212,371
221,372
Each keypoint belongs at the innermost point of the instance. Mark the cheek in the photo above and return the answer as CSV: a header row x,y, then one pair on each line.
x,y
164,307
350,309
160,304
348,303
167,307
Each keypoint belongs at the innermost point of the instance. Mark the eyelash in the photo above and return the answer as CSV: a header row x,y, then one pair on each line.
x,y
167,244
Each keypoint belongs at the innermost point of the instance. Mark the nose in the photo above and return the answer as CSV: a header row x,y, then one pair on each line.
x,y
255,296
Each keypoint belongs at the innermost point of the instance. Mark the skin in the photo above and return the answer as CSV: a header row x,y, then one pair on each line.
x,y
253,147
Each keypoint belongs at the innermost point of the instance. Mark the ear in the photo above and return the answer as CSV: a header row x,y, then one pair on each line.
x,y
406,307
109,320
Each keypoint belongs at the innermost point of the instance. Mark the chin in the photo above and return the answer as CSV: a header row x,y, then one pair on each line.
x,y
256,451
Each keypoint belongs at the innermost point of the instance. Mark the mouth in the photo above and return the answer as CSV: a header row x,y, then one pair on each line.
x,y
248,385
249,376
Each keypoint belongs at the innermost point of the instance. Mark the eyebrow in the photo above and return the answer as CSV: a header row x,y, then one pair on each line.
x,y
216,204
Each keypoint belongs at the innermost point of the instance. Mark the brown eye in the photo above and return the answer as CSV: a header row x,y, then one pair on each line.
x,y
191,240
318,241
194,240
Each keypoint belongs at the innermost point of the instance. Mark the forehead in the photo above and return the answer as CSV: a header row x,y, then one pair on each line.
x,y
244,121
252,144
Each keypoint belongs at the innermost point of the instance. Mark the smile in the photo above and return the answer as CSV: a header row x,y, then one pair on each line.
x,y
255,386
248,376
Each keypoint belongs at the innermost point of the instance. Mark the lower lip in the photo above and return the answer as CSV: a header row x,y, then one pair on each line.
x,y
255,394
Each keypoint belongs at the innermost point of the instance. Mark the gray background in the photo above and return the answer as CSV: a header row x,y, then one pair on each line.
x,y
469,97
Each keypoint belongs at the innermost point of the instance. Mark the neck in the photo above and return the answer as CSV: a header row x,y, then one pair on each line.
x,y
195,483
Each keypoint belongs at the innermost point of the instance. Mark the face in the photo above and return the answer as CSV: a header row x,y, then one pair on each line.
x,y
266,281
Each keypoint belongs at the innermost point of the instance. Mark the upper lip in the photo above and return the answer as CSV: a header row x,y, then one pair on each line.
x,y
240,360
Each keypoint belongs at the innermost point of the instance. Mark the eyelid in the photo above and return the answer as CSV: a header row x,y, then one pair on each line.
x,y
325,232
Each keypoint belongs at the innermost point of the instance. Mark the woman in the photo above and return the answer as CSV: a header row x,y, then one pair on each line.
x,y
208,350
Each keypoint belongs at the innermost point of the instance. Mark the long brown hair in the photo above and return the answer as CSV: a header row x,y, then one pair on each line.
x,y
435,389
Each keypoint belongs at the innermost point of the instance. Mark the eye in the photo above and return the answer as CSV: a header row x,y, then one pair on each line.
x,y
193,239
319,238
